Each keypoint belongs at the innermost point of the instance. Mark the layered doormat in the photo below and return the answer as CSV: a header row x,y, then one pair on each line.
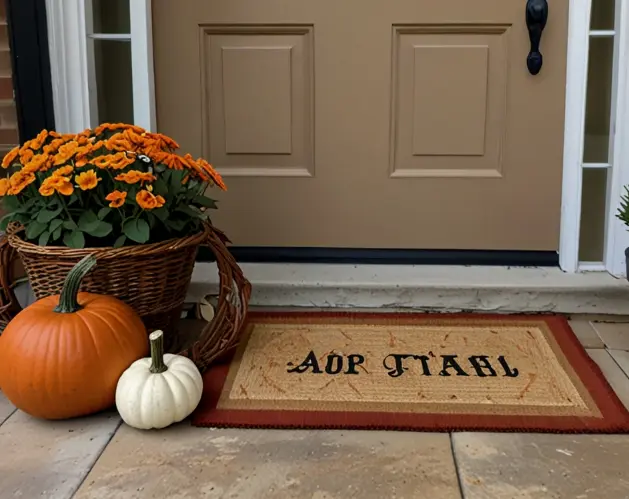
x,y
410,372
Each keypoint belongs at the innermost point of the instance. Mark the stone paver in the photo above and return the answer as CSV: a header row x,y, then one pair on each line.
x,y
6,408
622,359
187,462
586,333
613,373
614,335
50,459
538,466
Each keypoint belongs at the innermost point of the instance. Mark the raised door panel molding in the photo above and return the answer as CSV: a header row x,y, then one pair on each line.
x,y
258,100
449,101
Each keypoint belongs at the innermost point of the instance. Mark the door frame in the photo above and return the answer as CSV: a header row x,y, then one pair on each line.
x,y
74,104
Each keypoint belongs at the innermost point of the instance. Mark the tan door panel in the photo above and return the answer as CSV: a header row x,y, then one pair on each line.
x,y
369,124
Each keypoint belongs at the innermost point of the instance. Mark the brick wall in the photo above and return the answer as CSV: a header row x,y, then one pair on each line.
x,y
8,117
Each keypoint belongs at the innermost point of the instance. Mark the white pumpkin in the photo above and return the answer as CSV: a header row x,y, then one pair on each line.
x,y
158,391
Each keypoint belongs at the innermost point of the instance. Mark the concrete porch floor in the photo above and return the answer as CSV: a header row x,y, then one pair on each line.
x,y
98,457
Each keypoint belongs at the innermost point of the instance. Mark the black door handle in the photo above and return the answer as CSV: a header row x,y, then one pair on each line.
x,y
536,17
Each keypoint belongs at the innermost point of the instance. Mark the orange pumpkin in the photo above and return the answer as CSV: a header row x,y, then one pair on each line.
x,y
62,356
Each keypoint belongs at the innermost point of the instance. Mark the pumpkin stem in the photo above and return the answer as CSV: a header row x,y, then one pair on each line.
x,y
68,302
157,352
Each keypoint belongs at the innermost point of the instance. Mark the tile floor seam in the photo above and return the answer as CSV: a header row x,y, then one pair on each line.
x,y
598,335
98,456
616,362
8,416
456,466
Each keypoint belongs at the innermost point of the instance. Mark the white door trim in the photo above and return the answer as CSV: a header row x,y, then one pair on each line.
x,y
71,76
576,83
617,234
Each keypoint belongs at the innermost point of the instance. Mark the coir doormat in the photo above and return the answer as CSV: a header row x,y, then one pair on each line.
x,y
410,372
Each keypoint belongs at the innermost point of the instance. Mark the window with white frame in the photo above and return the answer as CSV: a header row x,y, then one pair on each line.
x,y
598,140
108,31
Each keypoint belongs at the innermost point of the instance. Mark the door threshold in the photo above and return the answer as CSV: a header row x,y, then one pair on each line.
x,y
264,254
425,287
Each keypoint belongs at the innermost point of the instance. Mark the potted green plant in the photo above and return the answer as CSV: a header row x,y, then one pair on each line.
x,y
123,194
623,215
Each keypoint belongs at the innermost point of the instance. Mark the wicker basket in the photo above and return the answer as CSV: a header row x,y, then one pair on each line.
x,y
152,278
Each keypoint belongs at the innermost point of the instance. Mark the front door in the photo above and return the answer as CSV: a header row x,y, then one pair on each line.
x,y
369,123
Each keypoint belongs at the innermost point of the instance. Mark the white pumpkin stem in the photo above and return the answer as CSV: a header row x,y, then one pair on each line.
x,y
157,352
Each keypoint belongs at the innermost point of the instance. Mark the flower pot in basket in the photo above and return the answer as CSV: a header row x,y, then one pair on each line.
x,y
126,196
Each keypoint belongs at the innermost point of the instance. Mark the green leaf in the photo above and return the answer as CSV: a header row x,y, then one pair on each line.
x,y
137,230
189,210
176,225
22,218
45,216
159,167
5,221
161,213
56,234
70,225
34,229
103,212
160,187
11,203
44,238
152,219
102,229
74,197
120,241
55,224
74,239
88,221
205,201
176,177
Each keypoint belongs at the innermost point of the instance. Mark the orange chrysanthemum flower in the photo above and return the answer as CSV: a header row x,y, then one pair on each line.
x,y
165,139
117,126
10,157
102,161
39,163
19,181
137,141
37,142
120,161
151,147
172,161
54,146
118,142
148,201
212,173
59,184
135,176
80,159
26,155
4,186
87,180
82,140
64,170
116,198
96,145
195,167
66,151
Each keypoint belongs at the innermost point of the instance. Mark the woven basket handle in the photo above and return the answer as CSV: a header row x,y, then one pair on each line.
x,y
9,305
222,334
